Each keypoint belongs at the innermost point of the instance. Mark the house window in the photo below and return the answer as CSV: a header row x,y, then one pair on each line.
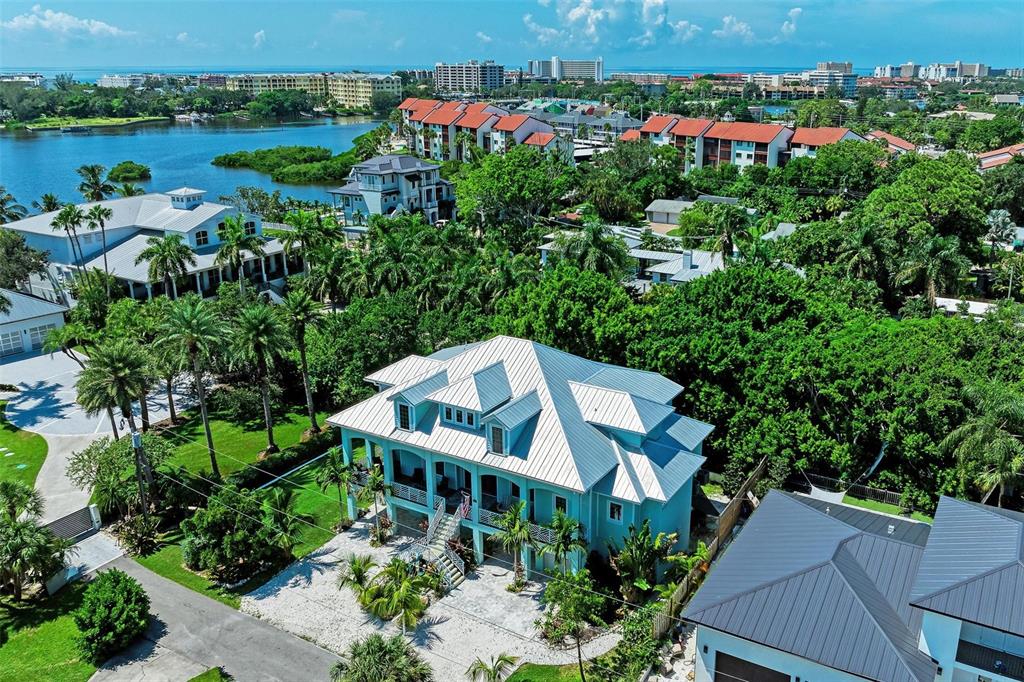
x,y
469,418
448,413
497,440
404,417
250,228
615,512
458,416
561,504
202,238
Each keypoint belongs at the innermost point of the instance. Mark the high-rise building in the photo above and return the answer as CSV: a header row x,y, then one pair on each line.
x,y
569,69
471,76
841,67
126,80
255,83
846,82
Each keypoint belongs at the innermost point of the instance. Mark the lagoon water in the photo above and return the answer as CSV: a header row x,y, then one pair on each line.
x,y
178,154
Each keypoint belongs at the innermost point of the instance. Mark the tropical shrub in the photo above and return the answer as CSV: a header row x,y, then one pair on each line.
x,y
128,171
114,612
229,538
378,658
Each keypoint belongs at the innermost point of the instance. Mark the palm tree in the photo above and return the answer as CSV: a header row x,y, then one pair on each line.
x,y
128,189
377,658
306,235
1000,230
355,574
70,219
259,338
17,498
168,363
514,535
498,670
282,517
47,203
863,254
591,248
301,312
375,486
98,216
10,209
397,593
567,538
235,244
116,374
30,552
194,327
93,186
637,562
990,444
335,472
936,264
169,257
730,225
328,269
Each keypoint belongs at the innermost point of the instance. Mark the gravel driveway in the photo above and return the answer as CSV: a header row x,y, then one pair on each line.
x,y
480,618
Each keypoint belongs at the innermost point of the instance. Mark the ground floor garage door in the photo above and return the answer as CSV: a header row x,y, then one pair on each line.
x,y
37,335
731,669
10,343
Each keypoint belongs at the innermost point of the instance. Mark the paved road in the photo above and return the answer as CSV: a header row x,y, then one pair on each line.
x,y
192,633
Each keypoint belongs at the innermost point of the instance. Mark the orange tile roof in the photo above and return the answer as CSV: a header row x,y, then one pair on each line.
x,y
476,107
419,114
745,132
407,103
473,120
539,139
630,135
452,106
657,124
442,117
816,137
998,157
691,127
511,122
893,141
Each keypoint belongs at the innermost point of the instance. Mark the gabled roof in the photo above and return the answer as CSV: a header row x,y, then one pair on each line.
x,y
539,139
394,163
618,409
407,103
481,391
403,370
511,122
893,141
473,120
973,566
746,132
998,157
691,127
656,125
453,105
557,446
630,135
425,104
25,307
442,116
816,137
822,581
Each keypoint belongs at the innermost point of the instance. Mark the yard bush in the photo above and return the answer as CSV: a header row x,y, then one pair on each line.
x,y
114,612
283,461
243,404
128,171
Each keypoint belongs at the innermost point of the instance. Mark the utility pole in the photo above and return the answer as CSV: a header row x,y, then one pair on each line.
x,y
137,446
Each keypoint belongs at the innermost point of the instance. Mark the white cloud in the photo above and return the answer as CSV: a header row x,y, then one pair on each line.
x,y
544,3
398,43
684,31
653,12
348,15
483,37
734,29
589,18
258,38
545,35
182,37
789,26
63,25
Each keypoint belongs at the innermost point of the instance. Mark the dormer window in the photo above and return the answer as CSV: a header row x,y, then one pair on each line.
x,y
202,238
458,416
496,440
404,417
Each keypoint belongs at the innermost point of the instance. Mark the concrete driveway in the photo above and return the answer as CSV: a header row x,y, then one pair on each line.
x,y
190,633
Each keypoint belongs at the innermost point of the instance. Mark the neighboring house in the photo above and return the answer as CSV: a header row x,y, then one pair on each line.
x,y
630,135
1007,100
183,211
688,138
807,141
819,591
439,142
781,230
514,129
896,145
998,157
469,431
395,183
685,266
24,326
551,143
744,144
658,129
666,211
478,125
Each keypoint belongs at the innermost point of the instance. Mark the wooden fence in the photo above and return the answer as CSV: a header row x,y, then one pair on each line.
x,y
666,617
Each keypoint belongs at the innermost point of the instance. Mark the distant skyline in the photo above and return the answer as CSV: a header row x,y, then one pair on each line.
x,y
256,34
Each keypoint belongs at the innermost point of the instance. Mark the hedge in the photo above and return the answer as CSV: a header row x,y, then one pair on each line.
x,y
274,465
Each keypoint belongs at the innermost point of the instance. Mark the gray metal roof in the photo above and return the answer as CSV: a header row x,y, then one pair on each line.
x,y
394,163
668,206
481,391
146,211
25,307
559,446
823,582
973,566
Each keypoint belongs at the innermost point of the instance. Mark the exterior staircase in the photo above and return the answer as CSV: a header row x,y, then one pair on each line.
x,y
446,529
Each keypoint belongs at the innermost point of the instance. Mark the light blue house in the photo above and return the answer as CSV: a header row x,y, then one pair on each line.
x,y
395,183
465,433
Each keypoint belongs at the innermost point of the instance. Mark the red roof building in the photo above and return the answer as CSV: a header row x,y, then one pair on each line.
x,y
657,125
818,137
407,103
999,157
746,132
691,127
443,117
472,120
630,135
512,122
540,139
897,145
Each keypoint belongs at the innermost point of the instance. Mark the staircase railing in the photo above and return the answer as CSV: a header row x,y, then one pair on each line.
x,y
435,520
456,560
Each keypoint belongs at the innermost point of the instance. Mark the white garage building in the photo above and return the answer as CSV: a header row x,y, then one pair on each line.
x,y
23,328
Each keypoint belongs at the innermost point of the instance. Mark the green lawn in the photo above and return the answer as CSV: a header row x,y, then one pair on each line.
x,y
47,123
322,506
42,639
534,672
237,444
29,451
884,508
212,675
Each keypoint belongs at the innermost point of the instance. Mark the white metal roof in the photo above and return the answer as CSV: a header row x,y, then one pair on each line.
x,y
25,307
558,445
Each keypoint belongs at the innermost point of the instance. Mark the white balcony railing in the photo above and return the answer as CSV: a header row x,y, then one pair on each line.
x,y
407,492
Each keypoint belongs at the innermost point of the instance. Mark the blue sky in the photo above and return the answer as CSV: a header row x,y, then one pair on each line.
x,y
628,33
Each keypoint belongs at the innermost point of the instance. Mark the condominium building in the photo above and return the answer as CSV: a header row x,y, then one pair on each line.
x,y
841,67
256,83
845,81
213,80
356,90
641,78
126,80
471,76
34,79
569,69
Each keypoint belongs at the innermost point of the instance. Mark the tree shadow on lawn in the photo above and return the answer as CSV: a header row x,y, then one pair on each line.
x,y
31,613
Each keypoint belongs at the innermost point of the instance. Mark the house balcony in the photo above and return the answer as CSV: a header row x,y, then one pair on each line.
x,y
411,488
491,511
993,661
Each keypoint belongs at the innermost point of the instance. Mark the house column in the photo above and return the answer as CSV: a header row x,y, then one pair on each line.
x,y
525,550
131,289
478,546
389,477
428,464
149,291
174,287
263,269
346,455
199,284
477,491
284,262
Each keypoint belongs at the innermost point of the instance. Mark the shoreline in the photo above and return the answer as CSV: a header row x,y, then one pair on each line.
x,y
77,123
